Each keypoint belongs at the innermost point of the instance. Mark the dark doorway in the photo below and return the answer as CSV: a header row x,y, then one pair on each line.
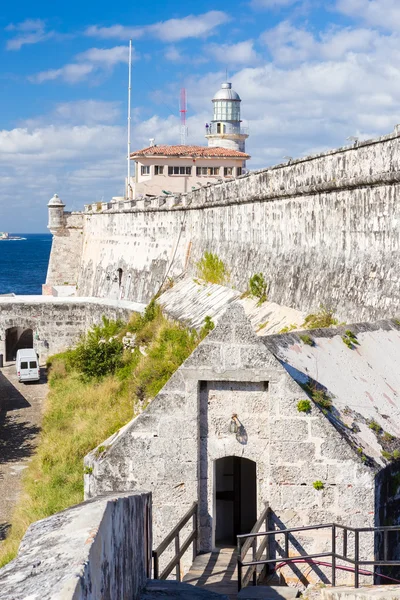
x,y
235,498
17,338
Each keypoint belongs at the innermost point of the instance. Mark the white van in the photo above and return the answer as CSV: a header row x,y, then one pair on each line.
x,y
27,365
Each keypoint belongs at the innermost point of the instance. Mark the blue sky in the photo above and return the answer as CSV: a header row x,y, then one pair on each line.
x,y
310,73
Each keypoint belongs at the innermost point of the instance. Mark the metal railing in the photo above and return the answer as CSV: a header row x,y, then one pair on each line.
x,y
179,549
250,539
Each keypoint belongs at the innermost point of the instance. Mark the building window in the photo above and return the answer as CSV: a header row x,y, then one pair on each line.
x,y
228,171
158,170
145,170
238,171
179,170
208,171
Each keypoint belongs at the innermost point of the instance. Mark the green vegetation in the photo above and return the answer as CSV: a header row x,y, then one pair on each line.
x,y
350,339
391,456
388,437
323,318
258,288
363,457
318,485
306,339
262,325
375,426
95,389
288,328
321,398
212,269
207,327
304,406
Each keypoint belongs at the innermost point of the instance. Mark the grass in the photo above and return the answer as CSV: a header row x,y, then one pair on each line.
x,y
306,339
83,410
323,318
257,288
212,269
304,406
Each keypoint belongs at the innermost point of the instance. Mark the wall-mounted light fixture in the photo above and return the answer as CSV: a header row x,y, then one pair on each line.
x,y
108,276
234,425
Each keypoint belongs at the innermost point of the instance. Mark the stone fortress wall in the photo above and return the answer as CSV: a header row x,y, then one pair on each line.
x,y
325,228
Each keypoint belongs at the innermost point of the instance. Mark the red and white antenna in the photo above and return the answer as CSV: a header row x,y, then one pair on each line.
x,y
183,111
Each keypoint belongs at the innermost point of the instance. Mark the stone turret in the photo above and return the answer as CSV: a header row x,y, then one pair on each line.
x,y
56,214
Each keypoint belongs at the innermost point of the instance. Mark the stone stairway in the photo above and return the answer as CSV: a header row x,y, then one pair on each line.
x,y
217,572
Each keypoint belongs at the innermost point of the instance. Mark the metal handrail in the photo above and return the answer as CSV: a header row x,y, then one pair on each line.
x,y
251,542
179,550
250,538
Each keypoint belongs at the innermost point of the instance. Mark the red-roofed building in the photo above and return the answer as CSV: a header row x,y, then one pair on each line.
x,y
180,169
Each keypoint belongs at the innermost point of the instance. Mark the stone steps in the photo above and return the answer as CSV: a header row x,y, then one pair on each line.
x,y
373,592
262,592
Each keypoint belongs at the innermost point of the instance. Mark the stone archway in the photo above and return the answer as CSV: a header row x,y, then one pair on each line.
x,y
17,338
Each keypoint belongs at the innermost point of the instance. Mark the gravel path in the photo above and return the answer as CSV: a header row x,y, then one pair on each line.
x,y
21,407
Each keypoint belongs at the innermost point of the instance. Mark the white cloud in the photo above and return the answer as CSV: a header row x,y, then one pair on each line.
x,y
236,54
378,13
173,54
30,31
173,30
289,44
89,62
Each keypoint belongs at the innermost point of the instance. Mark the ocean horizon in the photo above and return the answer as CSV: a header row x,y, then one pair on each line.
x,y
24,262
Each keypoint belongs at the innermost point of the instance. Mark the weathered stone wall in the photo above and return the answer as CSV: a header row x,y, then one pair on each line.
x,y
99,549
173,445
322,229
66,252
57,323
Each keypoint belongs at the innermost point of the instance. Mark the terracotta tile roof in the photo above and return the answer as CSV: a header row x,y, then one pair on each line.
x,y
190,151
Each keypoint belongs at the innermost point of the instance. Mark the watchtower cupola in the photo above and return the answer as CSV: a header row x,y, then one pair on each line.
x,y
225,129
56,214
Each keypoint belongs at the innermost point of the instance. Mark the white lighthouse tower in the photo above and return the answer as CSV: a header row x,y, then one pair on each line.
x,y
225,129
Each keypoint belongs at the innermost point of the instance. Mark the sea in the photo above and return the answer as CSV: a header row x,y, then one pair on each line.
x,y
23,263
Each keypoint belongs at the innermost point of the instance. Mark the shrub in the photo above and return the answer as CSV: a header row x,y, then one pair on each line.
x,y
318,485
321,398
258,288
375,426
306,339
350,339
388,437
212,269
207,327
100,351
323,318
304,406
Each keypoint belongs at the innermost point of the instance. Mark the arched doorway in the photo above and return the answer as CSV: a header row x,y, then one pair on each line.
x,y
235,508
17,338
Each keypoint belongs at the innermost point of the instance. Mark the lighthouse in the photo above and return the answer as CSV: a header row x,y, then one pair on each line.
x,y
225,130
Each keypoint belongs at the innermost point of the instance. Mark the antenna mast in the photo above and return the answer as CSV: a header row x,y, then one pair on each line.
x,y
128,186
183,111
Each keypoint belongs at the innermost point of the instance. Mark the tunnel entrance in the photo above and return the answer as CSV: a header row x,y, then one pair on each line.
x,y
17,338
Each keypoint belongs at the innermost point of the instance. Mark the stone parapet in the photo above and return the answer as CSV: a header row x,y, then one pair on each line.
x,y
98,549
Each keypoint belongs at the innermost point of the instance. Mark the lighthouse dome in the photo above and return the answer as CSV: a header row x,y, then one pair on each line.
x,y
226,93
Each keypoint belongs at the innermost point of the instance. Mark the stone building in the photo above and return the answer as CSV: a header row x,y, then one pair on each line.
x,y
226,432
179,169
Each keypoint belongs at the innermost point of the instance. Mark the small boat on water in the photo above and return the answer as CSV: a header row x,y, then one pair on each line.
x,y
7,236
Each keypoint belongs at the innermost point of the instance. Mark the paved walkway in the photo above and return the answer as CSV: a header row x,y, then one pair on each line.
x,y
20,417
215,571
